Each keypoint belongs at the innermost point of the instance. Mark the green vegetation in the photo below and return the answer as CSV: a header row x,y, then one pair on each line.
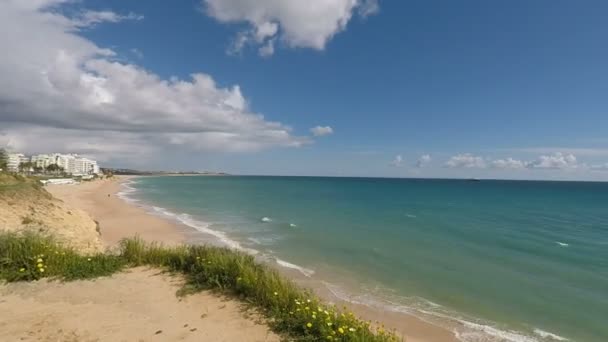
x,y
14,186
54,169
3,160
292,312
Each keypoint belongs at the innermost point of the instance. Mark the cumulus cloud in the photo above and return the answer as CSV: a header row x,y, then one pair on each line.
x,y
557,160
508,163
465,160
397,161
305,24
56,85
423,160
320,131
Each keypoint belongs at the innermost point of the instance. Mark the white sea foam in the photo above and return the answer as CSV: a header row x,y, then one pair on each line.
x,y
292,225
464,329
266,219
187,220
203,227
410,215
305,271
127,190
548,335
563,244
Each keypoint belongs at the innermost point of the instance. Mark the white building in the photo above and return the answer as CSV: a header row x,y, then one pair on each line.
x,y
84,166
71,163
14,160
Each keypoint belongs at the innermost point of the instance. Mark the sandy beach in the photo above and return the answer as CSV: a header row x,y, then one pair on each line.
x,y
137,305
118,219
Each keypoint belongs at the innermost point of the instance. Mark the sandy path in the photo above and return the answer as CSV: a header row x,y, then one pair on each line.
x,y
137,305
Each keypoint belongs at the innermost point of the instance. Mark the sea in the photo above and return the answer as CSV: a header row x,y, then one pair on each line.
x,y
491,260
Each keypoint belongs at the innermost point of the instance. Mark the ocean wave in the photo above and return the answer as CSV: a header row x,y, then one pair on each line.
x,y
203,227
305,271
186,219
563,244
126,190
465,329
292,225
548,335
264,241
266,219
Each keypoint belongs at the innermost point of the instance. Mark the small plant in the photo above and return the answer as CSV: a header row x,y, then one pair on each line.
x,y
290,310
27,220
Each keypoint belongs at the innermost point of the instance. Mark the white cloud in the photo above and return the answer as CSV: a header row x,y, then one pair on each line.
x,y
306,24
92,18
137,53
320,131
423,160
369,7
557,160
600,167
56,84
397,161
578,151
268,49
508,163
466,160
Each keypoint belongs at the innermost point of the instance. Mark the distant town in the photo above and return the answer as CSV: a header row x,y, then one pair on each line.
x,y
53,163
73,165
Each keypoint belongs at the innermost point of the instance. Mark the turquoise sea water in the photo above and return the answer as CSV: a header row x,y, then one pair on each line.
x,y
509,260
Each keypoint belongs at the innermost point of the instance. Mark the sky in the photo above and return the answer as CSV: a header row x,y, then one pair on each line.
x,y
380,88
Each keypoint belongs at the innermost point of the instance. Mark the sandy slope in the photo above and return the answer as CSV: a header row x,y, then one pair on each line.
x,y
138,305
31,207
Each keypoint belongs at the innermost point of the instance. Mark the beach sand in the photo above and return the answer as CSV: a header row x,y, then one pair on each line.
x,y
137,305
118,219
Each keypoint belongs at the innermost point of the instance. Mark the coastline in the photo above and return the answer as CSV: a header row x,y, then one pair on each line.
x,y
118,219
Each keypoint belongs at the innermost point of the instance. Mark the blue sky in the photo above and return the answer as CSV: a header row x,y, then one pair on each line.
x,y
468,83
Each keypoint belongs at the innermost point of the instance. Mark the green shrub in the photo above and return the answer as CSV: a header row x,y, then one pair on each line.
x,y
290,311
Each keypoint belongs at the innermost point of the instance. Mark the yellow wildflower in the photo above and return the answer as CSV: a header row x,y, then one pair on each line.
x,y
88,259
307,308
309,325
351,329
314,316
39,260
329,324
22,269
40,265
276,293
341,330
41,270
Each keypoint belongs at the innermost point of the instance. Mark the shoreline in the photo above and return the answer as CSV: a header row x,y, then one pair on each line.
x,y
118,218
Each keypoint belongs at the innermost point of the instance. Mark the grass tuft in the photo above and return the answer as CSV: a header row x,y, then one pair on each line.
x,y
291,311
